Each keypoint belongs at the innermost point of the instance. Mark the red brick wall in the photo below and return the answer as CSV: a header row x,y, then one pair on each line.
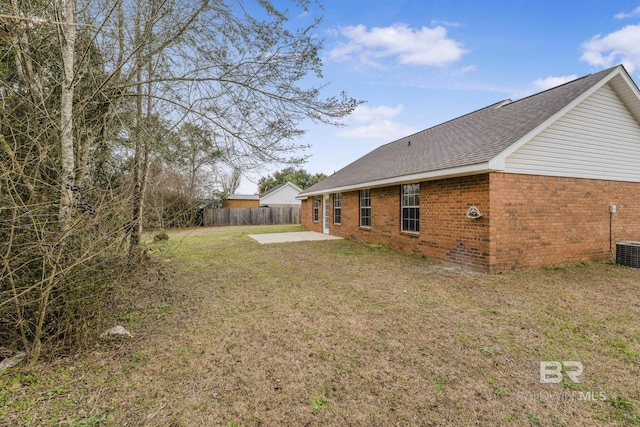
x,y
540,220
240,203
448,233
306,215
528,221
445,231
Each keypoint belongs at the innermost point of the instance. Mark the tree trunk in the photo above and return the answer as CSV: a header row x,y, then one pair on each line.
x,y
136,221
67,32
24,61
141,155
134,240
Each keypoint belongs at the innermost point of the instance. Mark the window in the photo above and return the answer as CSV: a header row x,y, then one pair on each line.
x,y
337,208
316,208
365,208
411,208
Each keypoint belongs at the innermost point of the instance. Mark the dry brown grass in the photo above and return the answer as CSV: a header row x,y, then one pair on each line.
x,y
228,332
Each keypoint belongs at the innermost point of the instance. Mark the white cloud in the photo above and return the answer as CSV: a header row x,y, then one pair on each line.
x,y
540,85
425,46
467,69
386,130
619,46
435,22
624,15
549,82
375,123
362,113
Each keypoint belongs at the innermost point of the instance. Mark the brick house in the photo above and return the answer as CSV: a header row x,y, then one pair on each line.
x,y
552,178
242,201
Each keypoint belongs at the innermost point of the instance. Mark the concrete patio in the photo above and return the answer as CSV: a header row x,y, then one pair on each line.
x,y
299,236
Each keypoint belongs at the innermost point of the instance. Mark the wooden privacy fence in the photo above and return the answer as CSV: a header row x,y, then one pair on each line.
x,y
251,216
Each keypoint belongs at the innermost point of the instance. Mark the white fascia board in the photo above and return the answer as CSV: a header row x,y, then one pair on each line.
x,y
406,179
630,97
631,84
498,162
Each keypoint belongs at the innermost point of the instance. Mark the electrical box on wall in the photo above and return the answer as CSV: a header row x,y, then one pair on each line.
x,y
613,208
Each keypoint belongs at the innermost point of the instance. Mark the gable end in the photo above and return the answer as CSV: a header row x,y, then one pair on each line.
x,y
597,139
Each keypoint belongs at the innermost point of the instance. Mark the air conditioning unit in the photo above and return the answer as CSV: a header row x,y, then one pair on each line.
x,y
628,253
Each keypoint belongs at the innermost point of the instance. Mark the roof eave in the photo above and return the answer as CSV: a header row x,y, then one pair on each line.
x,y
474,169
628,92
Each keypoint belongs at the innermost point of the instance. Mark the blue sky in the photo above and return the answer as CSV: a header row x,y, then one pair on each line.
x,y
418,63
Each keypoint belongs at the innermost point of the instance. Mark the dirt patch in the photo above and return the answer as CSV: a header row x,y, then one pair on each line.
x,y
229,332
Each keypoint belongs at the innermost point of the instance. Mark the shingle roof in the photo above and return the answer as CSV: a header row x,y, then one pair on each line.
x,y
471,139
243,197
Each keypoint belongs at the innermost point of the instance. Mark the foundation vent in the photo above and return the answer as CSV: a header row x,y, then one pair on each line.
x,y
628,253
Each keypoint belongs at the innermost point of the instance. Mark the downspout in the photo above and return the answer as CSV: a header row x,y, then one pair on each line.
x,y
612,209
611,232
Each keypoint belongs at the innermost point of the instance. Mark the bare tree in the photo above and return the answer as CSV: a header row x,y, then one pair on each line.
x,y
217,65
195,150
92,95
230,181
58,241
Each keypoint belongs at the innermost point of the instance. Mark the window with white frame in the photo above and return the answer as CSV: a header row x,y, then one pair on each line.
x,y
365,208
337,208
316,208
411,208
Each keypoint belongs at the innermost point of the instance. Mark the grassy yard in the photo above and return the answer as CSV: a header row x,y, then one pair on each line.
x,y
227,332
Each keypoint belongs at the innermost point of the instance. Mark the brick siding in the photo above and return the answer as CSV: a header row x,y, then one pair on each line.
x,y
241,203
528,221
306,215
445,231
542,220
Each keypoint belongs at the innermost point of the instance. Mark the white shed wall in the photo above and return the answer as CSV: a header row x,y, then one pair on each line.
x,y
283,196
